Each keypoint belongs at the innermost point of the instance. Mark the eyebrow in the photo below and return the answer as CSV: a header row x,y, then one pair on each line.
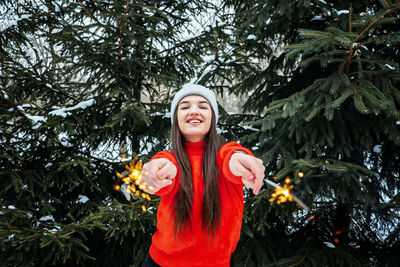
x,y
200,102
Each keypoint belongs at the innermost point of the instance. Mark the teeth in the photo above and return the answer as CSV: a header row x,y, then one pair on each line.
x,y
194,121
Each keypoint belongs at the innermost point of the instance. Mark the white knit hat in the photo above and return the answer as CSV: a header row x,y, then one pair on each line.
x,y
195,89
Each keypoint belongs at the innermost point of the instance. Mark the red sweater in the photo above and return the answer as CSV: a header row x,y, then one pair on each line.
x,y
194,248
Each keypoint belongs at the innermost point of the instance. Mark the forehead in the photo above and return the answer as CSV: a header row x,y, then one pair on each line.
x,y
193,99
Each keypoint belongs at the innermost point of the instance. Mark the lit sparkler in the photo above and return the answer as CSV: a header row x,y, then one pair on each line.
x,y
131,181
283,194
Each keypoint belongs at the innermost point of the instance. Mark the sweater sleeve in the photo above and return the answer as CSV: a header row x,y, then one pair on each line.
x,y
224,156
171,157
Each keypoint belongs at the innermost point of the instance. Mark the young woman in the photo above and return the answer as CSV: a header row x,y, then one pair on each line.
x,y
201,186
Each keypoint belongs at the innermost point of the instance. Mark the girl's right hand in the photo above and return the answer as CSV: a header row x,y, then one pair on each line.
x,y
157,174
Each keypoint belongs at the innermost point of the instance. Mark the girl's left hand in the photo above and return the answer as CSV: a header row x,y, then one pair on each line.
x,y
250,168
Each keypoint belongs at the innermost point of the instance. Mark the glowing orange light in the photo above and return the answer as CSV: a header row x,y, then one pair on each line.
x,y
300,174
281,195
338,232
336,240
312,217
133,179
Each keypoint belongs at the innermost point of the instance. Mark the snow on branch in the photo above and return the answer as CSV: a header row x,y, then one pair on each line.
x,y
63,112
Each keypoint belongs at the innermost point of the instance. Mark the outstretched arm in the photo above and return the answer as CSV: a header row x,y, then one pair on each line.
x,y
250,168
157,174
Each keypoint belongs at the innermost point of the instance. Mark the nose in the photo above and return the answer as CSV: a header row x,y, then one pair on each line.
x,y
194,110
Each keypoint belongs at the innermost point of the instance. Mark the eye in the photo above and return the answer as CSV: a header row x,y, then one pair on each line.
x,y
184,108
204,107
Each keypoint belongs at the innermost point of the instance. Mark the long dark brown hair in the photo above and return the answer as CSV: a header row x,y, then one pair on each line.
x,y
211,206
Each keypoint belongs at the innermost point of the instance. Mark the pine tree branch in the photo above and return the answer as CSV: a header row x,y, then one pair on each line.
x,y
386,3
4,82
13,61
390,9
216,45
358,99
122,28
20,171
391,97
351,10
66,23
116,11
90,14
27,60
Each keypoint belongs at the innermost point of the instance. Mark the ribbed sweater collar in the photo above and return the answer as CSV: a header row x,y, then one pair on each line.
x,y
195,148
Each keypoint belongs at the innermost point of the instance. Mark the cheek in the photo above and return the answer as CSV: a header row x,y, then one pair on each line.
x,y
180,116
208,116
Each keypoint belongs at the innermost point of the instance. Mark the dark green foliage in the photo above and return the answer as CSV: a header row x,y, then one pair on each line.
x,y
73,80
328,97
323,99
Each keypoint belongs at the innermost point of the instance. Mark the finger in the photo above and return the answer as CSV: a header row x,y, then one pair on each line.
x,y
167,171
253,164
152,181
256,166
259,170
248,183
153,166
257,185
244,172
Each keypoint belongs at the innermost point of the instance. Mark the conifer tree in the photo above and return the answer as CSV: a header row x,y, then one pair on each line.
x,y
322,86
328,96
74,78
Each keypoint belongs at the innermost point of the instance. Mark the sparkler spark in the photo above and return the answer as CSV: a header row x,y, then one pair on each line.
x,y
132,178
284,194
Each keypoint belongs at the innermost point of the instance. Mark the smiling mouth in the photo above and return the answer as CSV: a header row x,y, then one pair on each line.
x,y
194,121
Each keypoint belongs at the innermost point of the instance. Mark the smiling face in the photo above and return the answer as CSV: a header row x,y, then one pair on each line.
x,y
194,118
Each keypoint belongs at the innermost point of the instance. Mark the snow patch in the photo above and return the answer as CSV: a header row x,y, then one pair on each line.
x,y
63,112
208,58
82,199
4,94
35,119
316,18
156,114
378,148
329,245
48,165
251,37
390,67
249,128
47,218
54,230
340,12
